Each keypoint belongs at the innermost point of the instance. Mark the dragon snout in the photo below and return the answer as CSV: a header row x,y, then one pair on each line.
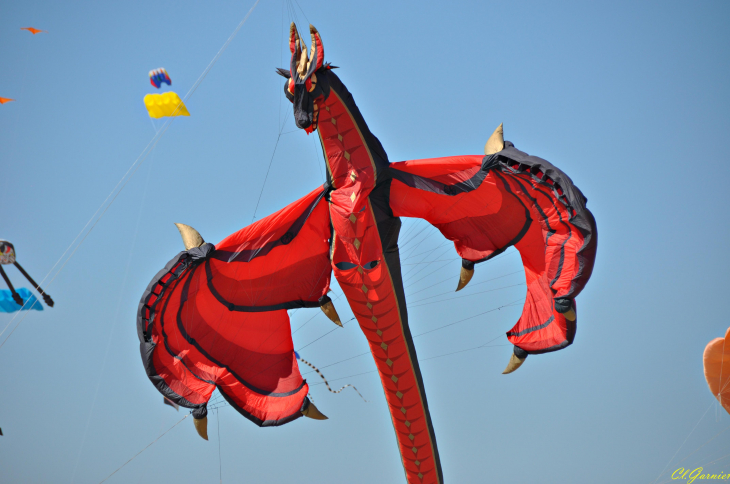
x,y
303,108
303,119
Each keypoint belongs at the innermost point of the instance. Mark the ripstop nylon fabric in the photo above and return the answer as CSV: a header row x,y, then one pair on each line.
x,y
216,317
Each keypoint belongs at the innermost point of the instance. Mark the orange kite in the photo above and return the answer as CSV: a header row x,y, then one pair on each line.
x,y
4,100
32,30
717,369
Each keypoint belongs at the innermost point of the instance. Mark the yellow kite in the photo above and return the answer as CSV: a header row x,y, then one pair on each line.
x,y
165,104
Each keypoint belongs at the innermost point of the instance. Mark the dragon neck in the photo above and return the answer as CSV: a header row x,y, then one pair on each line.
x,y
355,159
365,231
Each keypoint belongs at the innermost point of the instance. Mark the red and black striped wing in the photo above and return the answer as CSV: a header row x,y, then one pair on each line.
x,y
217,316
486,204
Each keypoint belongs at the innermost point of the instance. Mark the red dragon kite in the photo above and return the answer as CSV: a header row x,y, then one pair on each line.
x,y
216,315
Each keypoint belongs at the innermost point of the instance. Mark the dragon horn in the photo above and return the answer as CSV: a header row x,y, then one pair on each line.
x,y
495,143
191,237
303,63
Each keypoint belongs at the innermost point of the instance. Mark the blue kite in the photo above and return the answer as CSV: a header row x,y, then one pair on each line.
x,y
9,305
159,76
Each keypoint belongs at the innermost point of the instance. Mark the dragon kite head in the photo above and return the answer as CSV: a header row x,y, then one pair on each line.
x,y
306,84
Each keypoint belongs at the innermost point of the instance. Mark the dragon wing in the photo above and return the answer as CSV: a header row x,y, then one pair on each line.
x,y
486,204
216,316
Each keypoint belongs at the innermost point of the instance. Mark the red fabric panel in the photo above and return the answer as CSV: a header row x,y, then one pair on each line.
x,y
478,222
434,167
372,293
492,217
185,376
248,356
296,271
372,297
201,343
571,239
279,279
271,227
538,307
255,346
180,379
561,239
350,164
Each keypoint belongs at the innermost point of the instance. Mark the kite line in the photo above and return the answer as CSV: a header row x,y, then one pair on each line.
x,y
148,446
122,183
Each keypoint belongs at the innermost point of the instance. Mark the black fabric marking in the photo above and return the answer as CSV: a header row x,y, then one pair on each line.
x,y
146,350
572,198
525,227
556,347
473,183
559,271
534,328
189,339
519,352
256,420
250,254
562,304
201,412
146,347
534,201
254,309
164,333
142,328
378,154
388,228
429,185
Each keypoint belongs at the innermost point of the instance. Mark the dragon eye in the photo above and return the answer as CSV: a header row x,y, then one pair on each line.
x,y
343,266
289,90
311,83
371,265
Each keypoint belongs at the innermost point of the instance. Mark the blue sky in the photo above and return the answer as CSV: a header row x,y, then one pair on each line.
x,y
630,100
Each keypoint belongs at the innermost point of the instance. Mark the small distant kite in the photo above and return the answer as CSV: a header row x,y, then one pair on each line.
x,y
164,105
12,300
4,100
33,31
28,301
159,76
716,361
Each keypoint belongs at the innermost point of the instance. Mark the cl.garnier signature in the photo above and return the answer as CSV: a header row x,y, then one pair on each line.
x,y
691,474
